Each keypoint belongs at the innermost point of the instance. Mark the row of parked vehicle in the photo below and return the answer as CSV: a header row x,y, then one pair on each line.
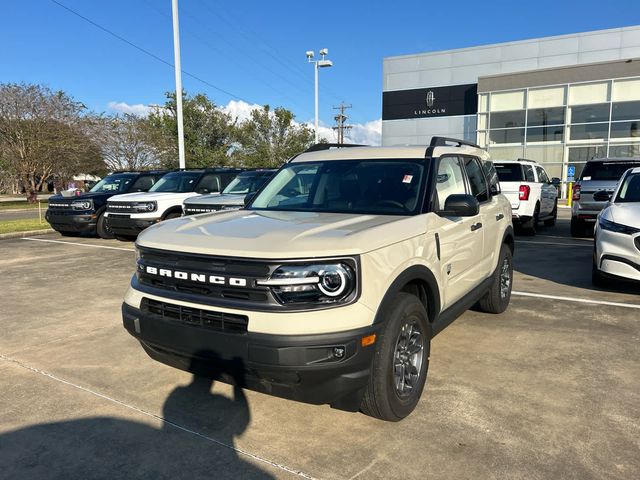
x,y
125,203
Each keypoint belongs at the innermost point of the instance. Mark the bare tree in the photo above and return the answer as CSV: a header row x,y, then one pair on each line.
x,y
125,144
42,134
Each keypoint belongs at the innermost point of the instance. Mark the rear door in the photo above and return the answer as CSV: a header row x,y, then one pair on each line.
x,y
548,193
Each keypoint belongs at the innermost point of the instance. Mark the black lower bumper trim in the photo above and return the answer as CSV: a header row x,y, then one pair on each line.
x,y
125,225
81,223
320,369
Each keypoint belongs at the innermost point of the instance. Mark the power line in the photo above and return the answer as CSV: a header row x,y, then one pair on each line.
x,y
147,52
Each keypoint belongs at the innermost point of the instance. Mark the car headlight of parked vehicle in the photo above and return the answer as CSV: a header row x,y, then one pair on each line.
x,y
616,227
324,283
82,205
145,207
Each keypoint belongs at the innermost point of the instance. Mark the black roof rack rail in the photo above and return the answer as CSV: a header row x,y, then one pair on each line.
x,y
442,142
326,146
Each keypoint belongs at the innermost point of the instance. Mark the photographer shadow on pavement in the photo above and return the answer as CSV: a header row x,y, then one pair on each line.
x,y
196,439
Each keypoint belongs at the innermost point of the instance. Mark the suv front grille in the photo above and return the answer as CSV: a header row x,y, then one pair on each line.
x,y
219,321
120,207
194,209
59,205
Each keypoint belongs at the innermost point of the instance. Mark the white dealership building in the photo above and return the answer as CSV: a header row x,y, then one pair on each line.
x,y
558,100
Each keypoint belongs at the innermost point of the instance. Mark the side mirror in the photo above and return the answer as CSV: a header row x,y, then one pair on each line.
x,y
555,181
460,205
248,198
602,196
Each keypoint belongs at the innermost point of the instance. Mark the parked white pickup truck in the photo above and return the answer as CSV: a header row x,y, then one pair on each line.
x,y
533,196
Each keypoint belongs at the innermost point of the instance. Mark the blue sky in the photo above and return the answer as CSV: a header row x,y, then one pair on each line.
x,y
255,50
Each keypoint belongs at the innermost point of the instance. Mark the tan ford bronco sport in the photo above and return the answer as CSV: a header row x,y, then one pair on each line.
x,y
330,284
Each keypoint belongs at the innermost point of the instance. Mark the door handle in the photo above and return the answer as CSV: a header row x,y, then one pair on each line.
x,y
499,217
476,226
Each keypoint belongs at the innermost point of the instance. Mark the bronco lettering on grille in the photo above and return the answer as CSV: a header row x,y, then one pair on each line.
x,y
194,277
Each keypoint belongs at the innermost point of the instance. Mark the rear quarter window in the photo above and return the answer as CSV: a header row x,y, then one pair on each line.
x,y
606,170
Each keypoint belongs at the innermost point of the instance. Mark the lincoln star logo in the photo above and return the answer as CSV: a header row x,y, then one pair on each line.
x,y
430,98
194,277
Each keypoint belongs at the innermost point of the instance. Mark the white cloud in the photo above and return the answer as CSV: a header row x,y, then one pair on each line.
x,y
138,109
239,109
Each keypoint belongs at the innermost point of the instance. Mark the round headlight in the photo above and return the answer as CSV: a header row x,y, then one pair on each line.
x,y
333,280
151,207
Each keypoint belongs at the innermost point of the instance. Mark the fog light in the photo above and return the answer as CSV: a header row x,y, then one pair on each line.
x,y
338,352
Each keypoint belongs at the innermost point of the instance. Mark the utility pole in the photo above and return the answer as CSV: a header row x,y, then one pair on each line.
x,y
341,120
176,54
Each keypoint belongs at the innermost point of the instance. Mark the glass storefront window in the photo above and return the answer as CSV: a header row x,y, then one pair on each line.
x,y
505,101
625,111
578,156
590,113
546,97
505,153
624,90
507,119
625,129
589,93
545,134
511,135
631,150
540,117
590,131
549,156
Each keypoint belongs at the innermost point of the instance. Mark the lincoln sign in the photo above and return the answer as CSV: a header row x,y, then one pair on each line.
x,y
430,102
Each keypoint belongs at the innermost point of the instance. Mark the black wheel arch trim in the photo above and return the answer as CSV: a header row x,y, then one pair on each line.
x,y
170,210
413,273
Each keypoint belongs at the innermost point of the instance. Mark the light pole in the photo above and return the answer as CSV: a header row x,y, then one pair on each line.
x,y
176,55
316,65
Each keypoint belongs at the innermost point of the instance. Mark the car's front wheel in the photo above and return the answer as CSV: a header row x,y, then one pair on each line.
x,y
102,228
401,360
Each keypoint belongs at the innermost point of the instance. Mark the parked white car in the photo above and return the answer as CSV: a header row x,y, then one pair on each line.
x,y
617,233
532,195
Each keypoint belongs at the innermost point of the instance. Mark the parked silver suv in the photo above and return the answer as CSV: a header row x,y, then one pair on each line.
x,y
592,192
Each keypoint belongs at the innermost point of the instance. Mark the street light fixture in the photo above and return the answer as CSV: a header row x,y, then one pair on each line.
x,y
322,63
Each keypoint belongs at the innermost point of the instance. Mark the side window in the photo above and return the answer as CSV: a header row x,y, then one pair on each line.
x,y
528,173
492,175
450,180
542,175
479,187
143,184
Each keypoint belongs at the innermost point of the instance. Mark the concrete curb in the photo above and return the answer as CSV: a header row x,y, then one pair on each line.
x,y
28,233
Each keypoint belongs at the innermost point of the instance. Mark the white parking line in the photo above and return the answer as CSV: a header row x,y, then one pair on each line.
x,y
577,300
554,243
80,244
153,415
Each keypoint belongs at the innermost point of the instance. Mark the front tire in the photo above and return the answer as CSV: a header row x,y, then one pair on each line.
x,y
102,228
401,360
497,298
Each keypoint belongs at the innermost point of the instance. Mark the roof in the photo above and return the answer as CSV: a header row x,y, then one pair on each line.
x,y
519,160
405,152
615,159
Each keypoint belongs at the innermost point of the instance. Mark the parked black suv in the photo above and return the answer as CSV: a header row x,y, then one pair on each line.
x,y
79,212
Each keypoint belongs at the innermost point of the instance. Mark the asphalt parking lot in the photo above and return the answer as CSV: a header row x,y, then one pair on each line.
x,y
550,389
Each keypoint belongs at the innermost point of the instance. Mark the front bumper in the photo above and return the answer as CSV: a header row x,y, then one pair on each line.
x,y
72,221
306,368
617,254
128,225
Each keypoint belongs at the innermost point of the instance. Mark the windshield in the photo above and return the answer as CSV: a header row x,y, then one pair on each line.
x,y
630,189
606,170
113,184
247,183
509,172
379,187
177,182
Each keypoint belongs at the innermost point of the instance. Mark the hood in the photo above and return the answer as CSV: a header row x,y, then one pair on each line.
x,y
152,196
83,196
254,234
624,213
217,199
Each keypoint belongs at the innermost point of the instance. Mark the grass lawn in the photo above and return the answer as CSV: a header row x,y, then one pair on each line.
x,y
9,226
13,205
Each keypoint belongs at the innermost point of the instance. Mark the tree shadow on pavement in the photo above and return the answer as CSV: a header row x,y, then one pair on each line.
x,y
195,441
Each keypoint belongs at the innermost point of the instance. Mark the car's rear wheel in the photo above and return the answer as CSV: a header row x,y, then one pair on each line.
x,y
497,298
401,360
550,222
577,228
530,227
102,228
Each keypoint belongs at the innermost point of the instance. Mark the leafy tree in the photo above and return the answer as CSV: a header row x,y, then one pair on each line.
x,y
208,132
126,143
269,137
44,134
